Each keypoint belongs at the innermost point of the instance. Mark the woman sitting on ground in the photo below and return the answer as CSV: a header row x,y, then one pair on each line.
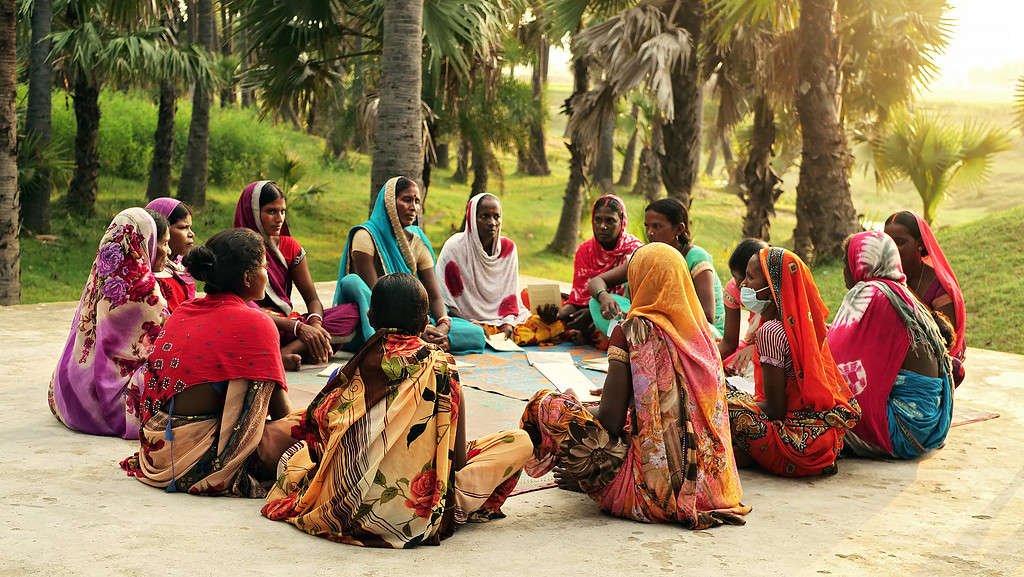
x,y
892,353
118,318
737,353
478,272
610,247
212,380
391,242
666,221
931,278
262,208
794,425
176,284
658,447
385,461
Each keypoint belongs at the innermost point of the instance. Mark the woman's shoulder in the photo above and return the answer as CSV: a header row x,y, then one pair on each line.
x,y
698,254
289,247
772,329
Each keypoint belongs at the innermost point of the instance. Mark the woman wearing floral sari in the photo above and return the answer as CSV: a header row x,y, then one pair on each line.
x,y
892,353
931,278
795,423
214,377
385,462
118,318
391,242
261,208
176,285
658,448
478,272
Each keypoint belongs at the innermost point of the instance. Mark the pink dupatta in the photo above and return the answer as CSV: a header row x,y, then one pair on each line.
x,y
592,259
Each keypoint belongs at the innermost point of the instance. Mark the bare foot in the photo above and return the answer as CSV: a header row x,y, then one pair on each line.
x,y
292,362
565,482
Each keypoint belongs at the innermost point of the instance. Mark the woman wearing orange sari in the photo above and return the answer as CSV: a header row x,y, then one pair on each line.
x,y
658,448
795,423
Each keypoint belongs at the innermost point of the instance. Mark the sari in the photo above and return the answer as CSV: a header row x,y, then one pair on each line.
x,y
393,254
819,404
904,414
949,283
592,259
118,319
176,284
282,258
219,340
675,463
376,469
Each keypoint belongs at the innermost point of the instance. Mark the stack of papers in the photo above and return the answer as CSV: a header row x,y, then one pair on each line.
x,y
498,342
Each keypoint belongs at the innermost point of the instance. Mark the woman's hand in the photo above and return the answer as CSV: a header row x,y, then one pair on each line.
x,y
508,330
548,314
317,340
740,361
579,320
609,306
437,335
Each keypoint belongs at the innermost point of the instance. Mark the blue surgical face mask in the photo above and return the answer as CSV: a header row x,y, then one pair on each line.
x,y
748,297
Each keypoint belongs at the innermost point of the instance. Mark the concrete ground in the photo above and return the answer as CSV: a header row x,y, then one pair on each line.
x,y
66,507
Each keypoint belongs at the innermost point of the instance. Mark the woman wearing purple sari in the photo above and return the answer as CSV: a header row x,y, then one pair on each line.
x,y
262,208
118,319
176,284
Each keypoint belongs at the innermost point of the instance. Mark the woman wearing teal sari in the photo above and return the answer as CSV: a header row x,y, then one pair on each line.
x,y
389,243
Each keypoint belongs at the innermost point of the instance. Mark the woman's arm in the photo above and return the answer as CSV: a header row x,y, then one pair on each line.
x,y
364,266
704,284
774,404
313,334
618,390
599,285
304,282
280,404
460,435
731,339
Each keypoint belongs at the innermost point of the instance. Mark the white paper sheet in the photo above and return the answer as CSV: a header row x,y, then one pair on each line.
x,y
498,342
744,384
544,294
329,370
535,356
600,364
567,376
459,364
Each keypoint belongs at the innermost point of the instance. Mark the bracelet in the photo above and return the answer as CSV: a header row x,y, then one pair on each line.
x,y
599,293
295,329
444,319
317,315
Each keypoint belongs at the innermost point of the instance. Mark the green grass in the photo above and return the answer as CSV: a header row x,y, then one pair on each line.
x,y
57,271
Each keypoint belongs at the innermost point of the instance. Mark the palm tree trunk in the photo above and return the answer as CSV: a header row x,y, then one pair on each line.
x,y
681,154
761,182
629,156
604,163
461,174
824,209
81,198
536,157
243,65
163,144
398,144
568,232
195,169
648,174
227,94
36,196
10,249
479,154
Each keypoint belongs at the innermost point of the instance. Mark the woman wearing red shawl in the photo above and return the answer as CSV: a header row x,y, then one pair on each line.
x,y
794,426
175,283
262,208
931,278
892,354
212,380
610,246
658,448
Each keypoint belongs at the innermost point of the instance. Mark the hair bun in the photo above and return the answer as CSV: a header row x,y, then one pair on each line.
x,y
200,262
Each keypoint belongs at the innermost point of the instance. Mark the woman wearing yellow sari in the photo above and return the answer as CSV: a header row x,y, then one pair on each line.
x,y
385,462
658,448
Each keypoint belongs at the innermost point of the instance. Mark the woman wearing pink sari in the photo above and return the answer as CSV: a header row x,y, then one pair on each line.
x,y
931,278
118,319
262,208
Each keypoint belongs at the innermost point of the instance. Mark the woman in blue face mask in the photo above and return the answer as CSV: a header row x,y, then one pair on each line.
x,y
736,346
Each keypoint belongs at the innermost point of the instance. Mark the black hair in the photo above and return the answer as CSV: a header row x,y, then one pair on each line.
x,y
402,184
179,212
399,301
269,193
945,328
747,248
609,202
225,258
161,223
676,213
907,220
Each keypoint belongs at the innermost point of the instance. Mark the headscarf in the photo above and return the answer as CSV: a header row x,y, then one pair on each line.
x,y
388,237
819,386
118,318
208,340
483,287
173,268
947,279
873,330
247,215
592,259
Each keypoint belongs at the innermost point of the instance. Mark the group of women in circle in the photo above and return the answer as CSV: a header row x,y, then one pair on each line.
x,y
380,456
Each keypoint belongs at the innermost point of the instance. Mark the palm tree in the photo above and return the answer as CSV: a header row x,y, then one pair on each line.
x,y
195,168
938,157
10,255
36,197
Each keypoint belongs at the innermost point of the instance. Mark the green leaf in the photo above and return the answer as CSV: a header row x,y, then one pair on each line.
x,y
406,530
388,494
508,471
403,480
380,479
414,433
363,510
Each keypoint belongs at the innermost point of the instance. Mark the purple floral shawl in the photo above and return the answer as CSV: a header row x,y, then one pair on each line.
x,y
118,319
